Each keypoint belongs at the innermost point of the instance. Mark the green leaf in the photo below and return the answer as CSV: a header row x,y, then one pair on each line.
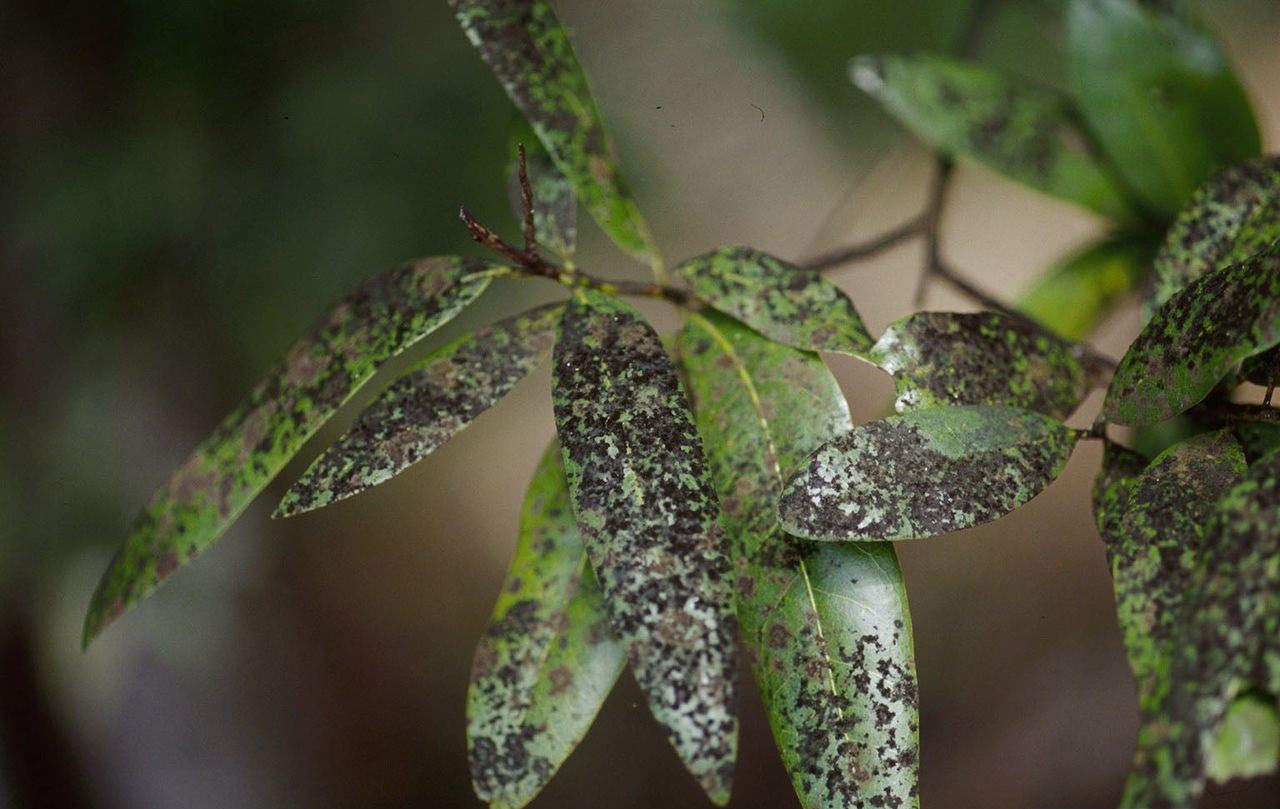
x,y
1248,743
946,358
434,401
644,502
1073,296
1160,96
555,203
781,301
1112,487
322,370
1259,439
1196,339
530,53
924,473
827,624
548,658
1232,216
1021,130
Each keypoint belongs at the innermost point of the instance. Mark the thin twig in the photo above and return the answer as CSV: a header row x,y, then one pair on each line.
x,y
859,252
526,203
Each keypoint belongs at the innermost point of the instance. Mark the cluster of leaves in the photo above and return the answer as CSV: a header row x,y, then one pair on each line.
x,y
711,490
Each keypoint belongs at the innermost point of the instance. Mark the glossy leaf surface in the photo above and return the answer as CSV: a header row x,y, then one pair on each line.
x,y
548,658
827,624
644,501
331,361
979,358
555,203
432,402
1021,130
1075,295
781,301
924,473
530,53
1196,339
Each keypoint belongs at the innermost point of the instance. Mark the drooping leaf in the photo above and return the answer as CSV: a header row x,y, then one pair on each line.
x,y
331,361
1073,296
948,358
783,302
555,203
1112,487
1024,131
1160,96
431,403
1196,339
826,623
530,53
924,473
644,501
548,659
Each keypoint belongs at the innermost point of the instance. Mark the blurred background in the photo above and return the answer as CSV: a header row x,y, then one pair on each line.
x,y
187,184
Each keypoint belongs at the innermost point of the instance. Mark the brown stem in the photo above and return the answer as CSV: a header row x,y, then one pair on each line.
x,y
858,252
526,204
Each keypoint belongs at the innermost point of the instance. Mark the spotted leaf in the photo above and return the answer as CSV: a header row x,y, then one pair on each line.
x,y
644,501
530,53
555,203
783,302
331,361
947,358
1026,132
826,624
1075,295
548,658
431,403
1196,339
924,473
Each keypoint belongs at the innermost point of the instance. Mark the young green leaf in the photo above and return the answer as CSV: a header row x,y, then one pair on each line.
x,y
781,301
1073,296
1196,339
548,658
946,358
924,473
1024,131
1160,96
530,53
330,362
1112,486
827,624
643,499
555,203
431,403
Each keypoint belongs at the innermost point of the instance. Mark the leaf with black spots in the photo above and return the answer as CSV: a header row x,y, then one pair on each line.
x,y
530,53
643,499
555,203
979,358
1074,296
1196,339
1112,486
783,302
434,401
826,624
337,355
924,473
548,658
1024,131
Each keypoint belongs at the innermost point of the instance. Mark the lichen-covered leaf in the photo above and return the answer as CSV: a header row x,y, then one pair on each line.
x,y
1026,132
826,624
1196,339
1072,297
1112,486
303,389
555,203
1160,96
948,358
434,401
781,301
548,658
924,473
1248,742
530,53
644,501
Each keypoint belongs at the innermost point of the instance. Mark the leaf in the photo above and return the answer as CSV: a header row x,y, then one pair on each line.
x,y
924,473
303,389
1073,296
1160,96
947,358
1112,487
1248,743
644,502
1196,339
826,624
789,304
555,203
1024,131
548,659
530,53
431,403
1259,439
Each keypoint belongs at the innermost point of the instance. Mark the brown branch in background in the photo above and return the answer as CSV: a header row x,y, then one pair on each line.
x,y
859,252
526,203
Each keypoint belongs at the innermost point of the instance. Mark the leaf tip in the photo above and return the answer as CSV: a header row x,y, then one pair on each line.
x,y
867,73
